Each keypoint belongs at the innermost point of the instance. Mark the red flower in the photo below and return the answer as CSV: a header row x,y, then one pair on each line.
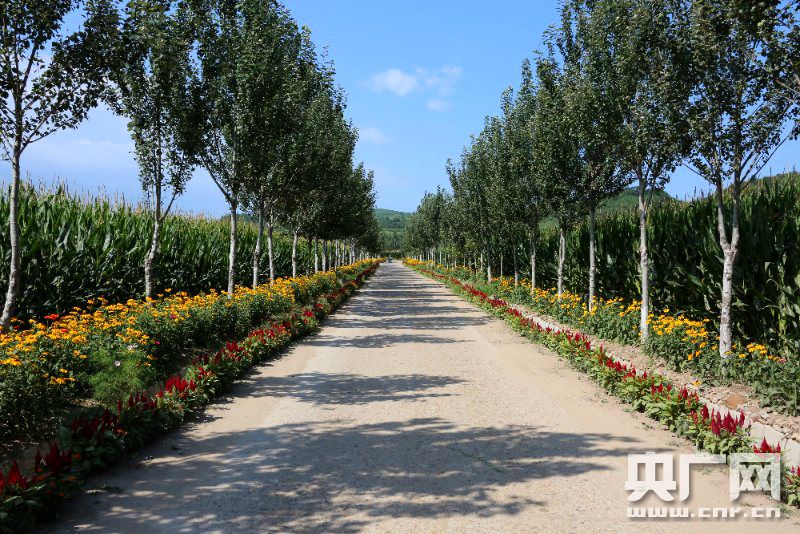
x,y
766,447
15,477
57,461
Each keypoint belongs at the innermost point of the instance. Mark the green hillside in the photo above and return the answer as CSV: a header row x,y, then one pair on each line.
x,y
629,198
393,227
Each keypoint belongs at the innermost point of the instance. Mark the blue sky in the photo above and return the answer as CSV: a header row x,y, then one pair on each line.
x,y
420,76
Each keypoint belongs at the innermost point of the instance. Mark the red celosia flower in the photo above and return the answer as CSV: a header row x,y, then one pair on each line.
x,y
15,478
766,447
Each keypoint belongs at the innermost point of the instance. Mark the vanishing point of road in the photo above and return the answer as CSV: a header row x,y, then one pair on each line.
x,y
410,411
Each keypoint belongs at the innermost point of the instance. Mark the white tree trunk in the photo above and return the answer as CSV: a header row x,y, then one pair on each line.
x,y
15,271
644,264
562,253
325,255
270,251
516,271
232,251
149,290
592,265
533,261
257,249
294,252
489,264
725,319
729,251
316,255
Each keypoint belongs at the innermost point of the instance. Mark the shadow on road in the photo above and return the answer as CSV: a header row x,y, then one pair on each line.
x,y
288,477
325,388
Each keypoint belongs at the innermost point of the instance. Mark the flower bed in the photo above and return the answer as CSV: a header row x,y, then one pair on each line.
x,y
683,343
54,365
98,437
654,395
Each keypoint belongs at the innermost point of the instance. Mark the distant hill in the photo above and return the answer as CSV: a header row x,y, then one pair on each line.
x,y
393,227
628,199
391,219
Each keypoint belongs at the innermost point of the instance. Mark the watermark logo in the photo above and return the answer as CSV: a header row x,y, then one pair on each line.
x,y
653,473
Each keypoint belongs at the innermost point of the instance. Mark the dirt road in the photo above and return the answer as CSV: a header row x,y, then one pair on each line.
x,y
411,411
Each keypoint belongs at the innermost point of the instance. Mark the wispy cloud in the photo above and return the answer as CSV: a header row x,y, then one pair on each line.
x,y
373,135
437,82
438,104
395,81
441,80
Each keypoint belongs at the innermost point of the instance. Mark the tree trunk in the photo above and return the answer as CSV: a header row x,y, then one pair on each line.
x,y
644,264
232,251
592,266
501,264
316,255
725,320
516,271
562,253
730,248
307,263
489,263
294,253
15,271
150,257
257,249
533,262
270,251
325,255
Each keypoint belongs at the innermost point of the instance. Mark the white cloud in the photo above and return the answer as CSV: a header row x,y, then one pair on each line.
x,y
436,82
442,80
438,104
394,80
373,135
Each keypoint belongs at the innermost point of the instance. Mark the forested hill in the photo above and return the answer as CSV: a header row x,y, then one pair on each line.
x,y
629,198
393,227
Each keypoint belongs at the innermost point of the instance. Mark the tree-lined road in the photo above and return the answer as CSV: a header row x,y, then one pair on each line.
x,y
411,411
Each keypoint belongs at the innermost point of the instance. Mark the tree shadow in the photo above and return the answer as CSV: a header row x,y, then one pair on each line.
x,y
394,303
375,341
335,476
338,389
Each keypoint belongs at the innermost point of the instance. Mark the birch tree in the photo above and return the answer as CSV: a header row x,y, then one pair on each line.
x,y
49,80
736,118
654,79
239,42
592,103
273,93
555,155
529,183
154,92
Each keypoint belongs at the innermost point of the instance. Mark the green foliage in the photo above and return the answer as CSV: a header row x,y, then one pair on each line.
x,y
76,249
687,260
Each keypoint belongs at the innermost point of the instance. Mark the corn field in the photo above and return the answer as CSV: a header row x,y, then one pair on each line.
x,y
686,260
76,249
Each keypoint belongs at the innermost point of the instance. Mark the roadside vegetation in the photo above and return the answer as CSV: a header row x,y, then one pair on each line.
x,y
121,321
622,93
